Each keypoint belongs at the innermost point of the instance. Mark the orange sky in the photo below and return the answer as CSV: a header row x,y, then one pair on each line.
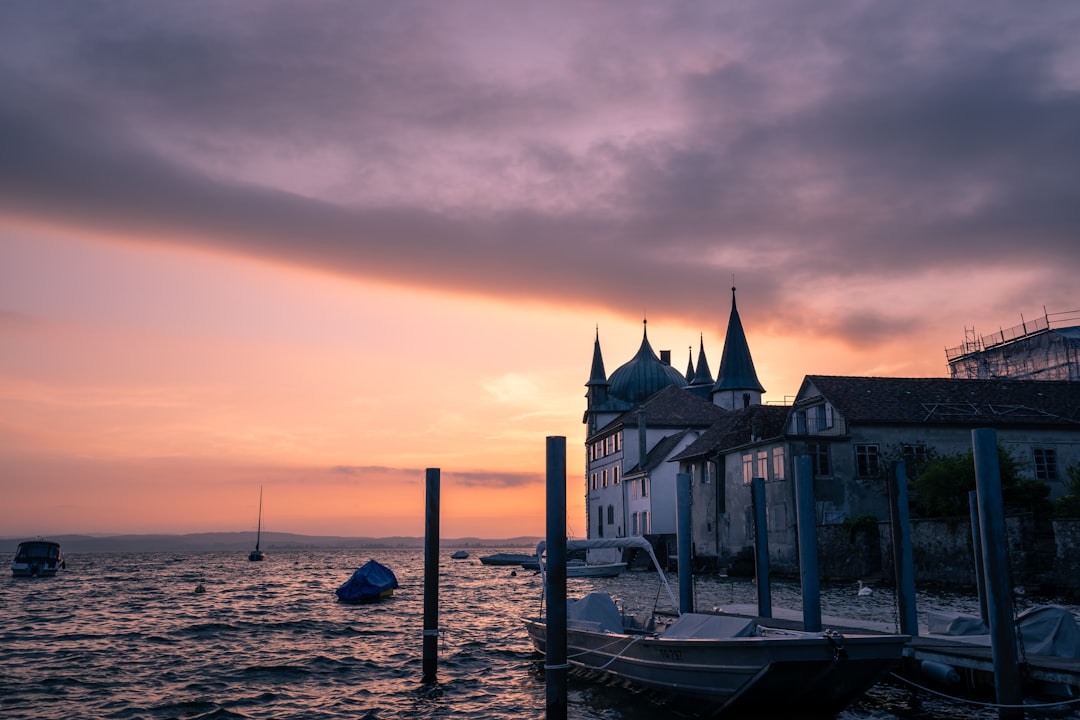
x,y
321,252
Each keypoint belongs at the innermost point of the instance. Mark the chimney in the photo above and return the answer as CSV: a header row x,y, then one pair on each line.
x,y
665,357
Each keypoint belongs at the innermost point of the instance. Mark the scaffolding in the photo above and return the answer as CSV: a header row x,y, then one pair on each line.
x,y
1047,348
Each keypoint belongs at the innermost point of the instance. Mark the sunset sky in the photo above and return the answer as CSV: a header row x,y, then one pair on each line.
x,y
319,247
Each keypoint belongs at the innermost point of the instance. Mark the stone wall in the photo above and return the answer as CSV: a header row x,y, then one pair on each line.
x,y
1066,573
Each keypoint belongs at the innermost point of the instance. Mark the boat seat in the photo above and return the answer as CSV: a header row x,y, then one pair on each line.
x,y
702,625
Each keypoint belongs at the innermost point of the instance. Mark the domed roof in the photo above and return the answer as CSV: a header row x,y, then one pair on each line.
x,y
643,375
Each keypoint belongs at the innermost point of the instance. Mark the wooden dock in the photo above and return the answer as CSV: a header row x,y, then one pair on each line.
x,y
972,659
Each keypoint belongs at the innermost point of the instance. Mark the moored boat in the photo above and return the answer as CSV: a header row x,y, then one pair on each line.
x,y
731,664
371,582
460,555
37,558
505,559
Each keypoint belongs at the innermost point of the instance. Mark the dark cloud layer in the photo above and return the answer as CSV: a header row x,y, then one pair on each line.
x,y
615,155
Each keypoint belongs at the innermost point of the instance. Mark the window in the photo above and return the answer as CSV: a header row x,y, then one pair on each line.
x,y
644,487
915,457
609,445
634,529
763,464
819,418
747,469
600,521
644,522
615,475
592,481
618,441
603,478
867,461
610,514
819,458
1045,463
798,422
778,463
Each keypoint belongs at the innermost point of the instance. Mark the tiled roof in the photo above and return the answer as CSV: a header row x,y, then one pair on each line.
x,y
659,452
739,428
675,407
949,401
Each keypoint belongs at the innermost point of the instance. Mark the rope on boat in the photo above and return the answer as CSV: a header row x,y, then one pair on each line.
x,y
615,657
1022,706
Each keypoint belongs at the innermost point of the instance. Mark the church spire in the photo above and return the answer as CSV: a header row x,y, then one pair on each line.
x,y
690,365
737,384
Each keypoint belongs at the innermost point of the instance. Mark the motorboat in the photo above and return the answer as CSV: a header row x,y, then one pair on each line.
x,y
460,555
37,558
730,663
371,582
581,568
505,559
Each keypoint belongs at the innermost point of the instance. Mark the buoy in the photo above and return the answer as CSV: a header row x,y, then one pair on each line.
x,y
200,588
944,674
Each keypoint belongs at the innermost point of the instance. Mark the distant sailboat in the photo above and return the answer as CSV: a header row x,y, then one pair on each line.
x,y
258,554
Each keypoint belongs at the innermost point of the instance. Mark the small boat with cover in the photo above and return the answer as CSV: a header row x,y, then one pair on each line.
x,y
724,663
370,583
37,558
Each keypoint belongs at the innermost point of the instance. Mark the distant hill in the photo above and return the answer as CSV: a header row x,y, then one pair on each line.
x,y
237,541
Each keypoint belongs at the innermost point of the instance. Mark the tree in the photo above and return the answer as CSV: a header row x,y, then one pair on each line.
x,y
1068,506
941,489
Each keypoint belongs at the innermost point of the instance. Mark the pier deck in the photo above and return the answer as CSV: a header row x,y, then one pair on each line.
x,y
970,657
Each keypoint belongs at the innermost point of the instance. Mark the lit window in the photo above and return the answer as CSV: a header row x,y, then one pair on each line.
x,y
778,463
763,464
747,469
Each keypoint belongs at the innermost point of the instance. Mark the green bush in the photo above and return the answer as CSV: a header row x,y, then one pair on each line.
x,y
1068,506
941,489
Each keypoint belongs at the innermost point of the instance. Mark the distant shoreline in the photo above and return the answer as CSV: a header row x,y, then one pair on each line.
x,y
243,541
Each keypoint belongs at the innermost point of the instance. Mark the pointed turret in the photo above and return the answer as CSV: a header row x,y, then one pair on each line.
x,y
701,380
737,384
690,365
598,382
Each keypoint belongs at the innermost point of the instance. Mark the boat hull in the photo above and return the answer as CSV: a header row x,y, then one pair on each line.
x,y
37,558
808,674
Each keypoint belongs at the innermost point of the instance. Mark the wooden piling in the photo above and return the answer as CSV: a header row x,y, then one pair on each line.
x,y
761,547
555,665
431,576
903,555
686,571
995,551
808,554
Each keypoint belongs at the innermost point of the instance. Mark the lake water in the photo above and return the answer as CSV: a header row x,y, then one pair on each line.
x,y
126,636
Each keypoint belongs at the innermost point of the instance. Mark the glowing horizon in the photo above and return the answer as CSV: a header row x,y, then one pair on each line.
x,y
321,252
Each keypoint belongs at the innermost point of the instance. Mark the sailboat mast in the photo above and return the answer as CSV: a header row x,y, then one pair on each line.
x,y
258,531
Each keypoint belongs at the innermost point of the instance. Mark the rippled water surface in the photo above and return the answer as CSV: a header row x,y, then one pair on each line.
x,y
127,636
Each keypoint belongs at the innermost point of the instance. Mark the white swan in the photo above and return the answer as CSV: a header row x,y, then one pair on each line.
x,y
864,590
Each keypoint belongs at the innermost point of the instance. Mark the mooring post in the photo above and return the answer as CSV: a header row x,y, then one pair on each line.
x,y
902,553
976,546
995,550
555,666
431,576
761,547
686,571
808,554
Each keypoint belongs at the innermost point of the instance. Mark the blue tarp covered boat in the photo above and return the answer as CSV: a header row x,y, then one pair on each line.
x,y
371,583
